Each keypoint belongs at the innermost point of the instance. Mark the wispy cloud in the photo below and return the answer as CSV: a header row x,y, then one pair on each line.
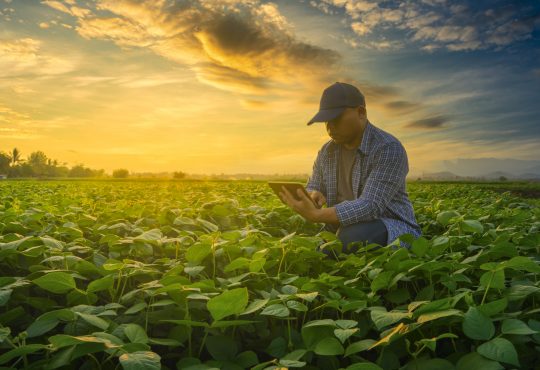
x,y
430,122
432,25
25,56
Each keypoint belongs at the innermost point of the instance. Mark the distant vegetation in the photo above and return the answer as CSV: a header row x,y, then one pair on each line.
x,y
120,173
37,164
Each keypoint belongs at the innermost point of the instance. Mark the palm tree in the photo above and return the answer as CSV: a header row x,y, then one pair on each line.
x,y
15,156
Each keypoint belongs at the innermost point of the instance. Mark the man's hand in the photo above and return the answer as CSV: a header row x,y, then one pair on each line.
x,y
307,209
304,206
318,198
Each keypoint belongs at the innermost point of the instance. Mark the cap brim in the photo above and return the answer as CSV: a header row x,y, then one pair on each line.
x,y
325,115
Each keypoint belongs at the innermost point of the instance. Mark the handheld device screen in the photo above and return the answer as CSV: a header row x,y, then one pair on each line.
x,y
292,187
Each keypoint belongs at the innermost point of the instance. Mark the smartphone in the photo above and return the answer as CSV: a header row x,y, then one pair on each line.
x,y
292,187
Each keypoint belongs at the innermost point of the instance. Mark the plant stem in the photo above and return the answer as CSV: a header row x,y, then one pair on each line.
x,y
487,288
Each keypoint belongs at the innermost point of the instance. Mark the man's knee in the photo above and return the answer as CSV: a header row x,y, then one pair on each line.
x,y
362,234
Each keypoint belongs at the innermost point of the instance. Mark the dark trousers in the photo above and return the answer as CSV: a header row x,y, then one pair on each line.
x,y
367,232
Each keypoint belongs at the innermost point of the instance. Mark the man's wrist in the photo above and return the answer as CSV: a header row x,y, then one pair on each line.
x,y
325,215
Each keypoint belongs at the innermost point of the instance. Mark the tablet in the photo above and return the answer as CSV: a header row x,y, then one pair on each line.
x,y
292,187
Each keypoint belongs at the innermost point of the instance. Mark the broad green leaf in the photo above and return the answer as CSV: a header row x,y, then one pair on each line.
x,y
329,347
493,308
438,314
430,364
56,282
135,333
297,306
255,306
364,366
136,308
230,302
381,281
103,283
291,363
359,346
499,349
238,263
477,362
444,217
49,320
150,235
493,279
522,263
198,252
477,326
420,246
278,310
307,296
140,360
381,318
257,265
94,320
344,334
346,324
5,294
517,327
473,226
20,351
63,340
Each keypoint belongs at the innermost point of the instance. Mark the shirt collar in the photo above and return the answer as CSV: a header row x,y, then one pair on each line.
x,y
364,145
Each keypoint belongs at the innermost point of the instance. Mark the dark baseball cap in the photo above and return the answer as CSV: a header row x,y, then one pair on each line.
x,y
335,99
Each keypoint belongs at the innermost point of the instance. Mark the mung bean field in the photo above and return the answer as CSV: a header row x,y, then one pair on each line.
x,y
221,275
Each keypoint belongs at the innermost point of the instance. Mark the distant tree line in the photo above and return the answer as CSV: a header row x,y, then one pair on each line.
x,y
37,164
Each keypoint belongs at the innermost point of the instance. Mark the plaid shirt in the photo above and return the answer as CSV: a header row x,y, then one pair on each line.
x,y
378,177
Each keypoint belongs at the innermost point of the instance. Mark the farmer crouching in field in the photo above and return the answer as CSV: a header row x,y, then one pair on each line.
x,y
360,175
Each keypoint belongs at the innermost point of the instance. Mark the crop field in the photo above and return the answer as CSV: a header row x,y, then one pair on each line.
x,y
221,275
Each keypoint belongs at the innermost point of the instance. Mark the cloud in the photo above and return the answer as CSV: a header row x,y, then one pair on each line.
x,y
121,31
402,106
433,122
25,56
513,30
254,104
71,10
433,25
246,47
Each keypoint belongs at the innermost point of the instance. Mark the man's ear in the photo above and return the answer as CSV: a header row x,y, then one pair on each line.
x,y
361,111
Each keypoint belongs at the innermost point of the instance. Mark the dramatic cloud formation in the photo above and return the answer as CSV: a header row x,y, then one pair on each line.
x,y
241,46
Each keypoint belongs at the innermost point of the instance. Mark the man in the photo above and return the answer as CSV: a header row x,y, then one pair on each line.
x,y
360,175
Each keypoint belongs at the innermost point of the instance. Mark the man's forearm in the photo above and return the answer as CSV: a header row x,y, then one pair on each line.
x,y
327,215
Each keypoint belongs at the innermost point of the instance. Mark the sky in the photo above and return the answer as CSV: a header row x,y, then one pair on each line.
x,y
228,86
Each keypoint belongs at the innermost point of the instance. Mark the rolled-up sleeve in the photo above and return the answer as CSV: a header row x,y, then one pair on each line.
x,y
315,181
390,169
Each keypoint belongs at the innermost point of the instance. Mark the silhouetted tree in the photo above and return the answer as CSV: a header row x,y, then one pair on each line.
x,y
15,157
179,175
120,173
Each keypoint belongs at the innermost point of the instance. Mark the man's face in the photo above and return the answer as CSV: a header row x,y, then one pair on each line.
x,y
346,126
